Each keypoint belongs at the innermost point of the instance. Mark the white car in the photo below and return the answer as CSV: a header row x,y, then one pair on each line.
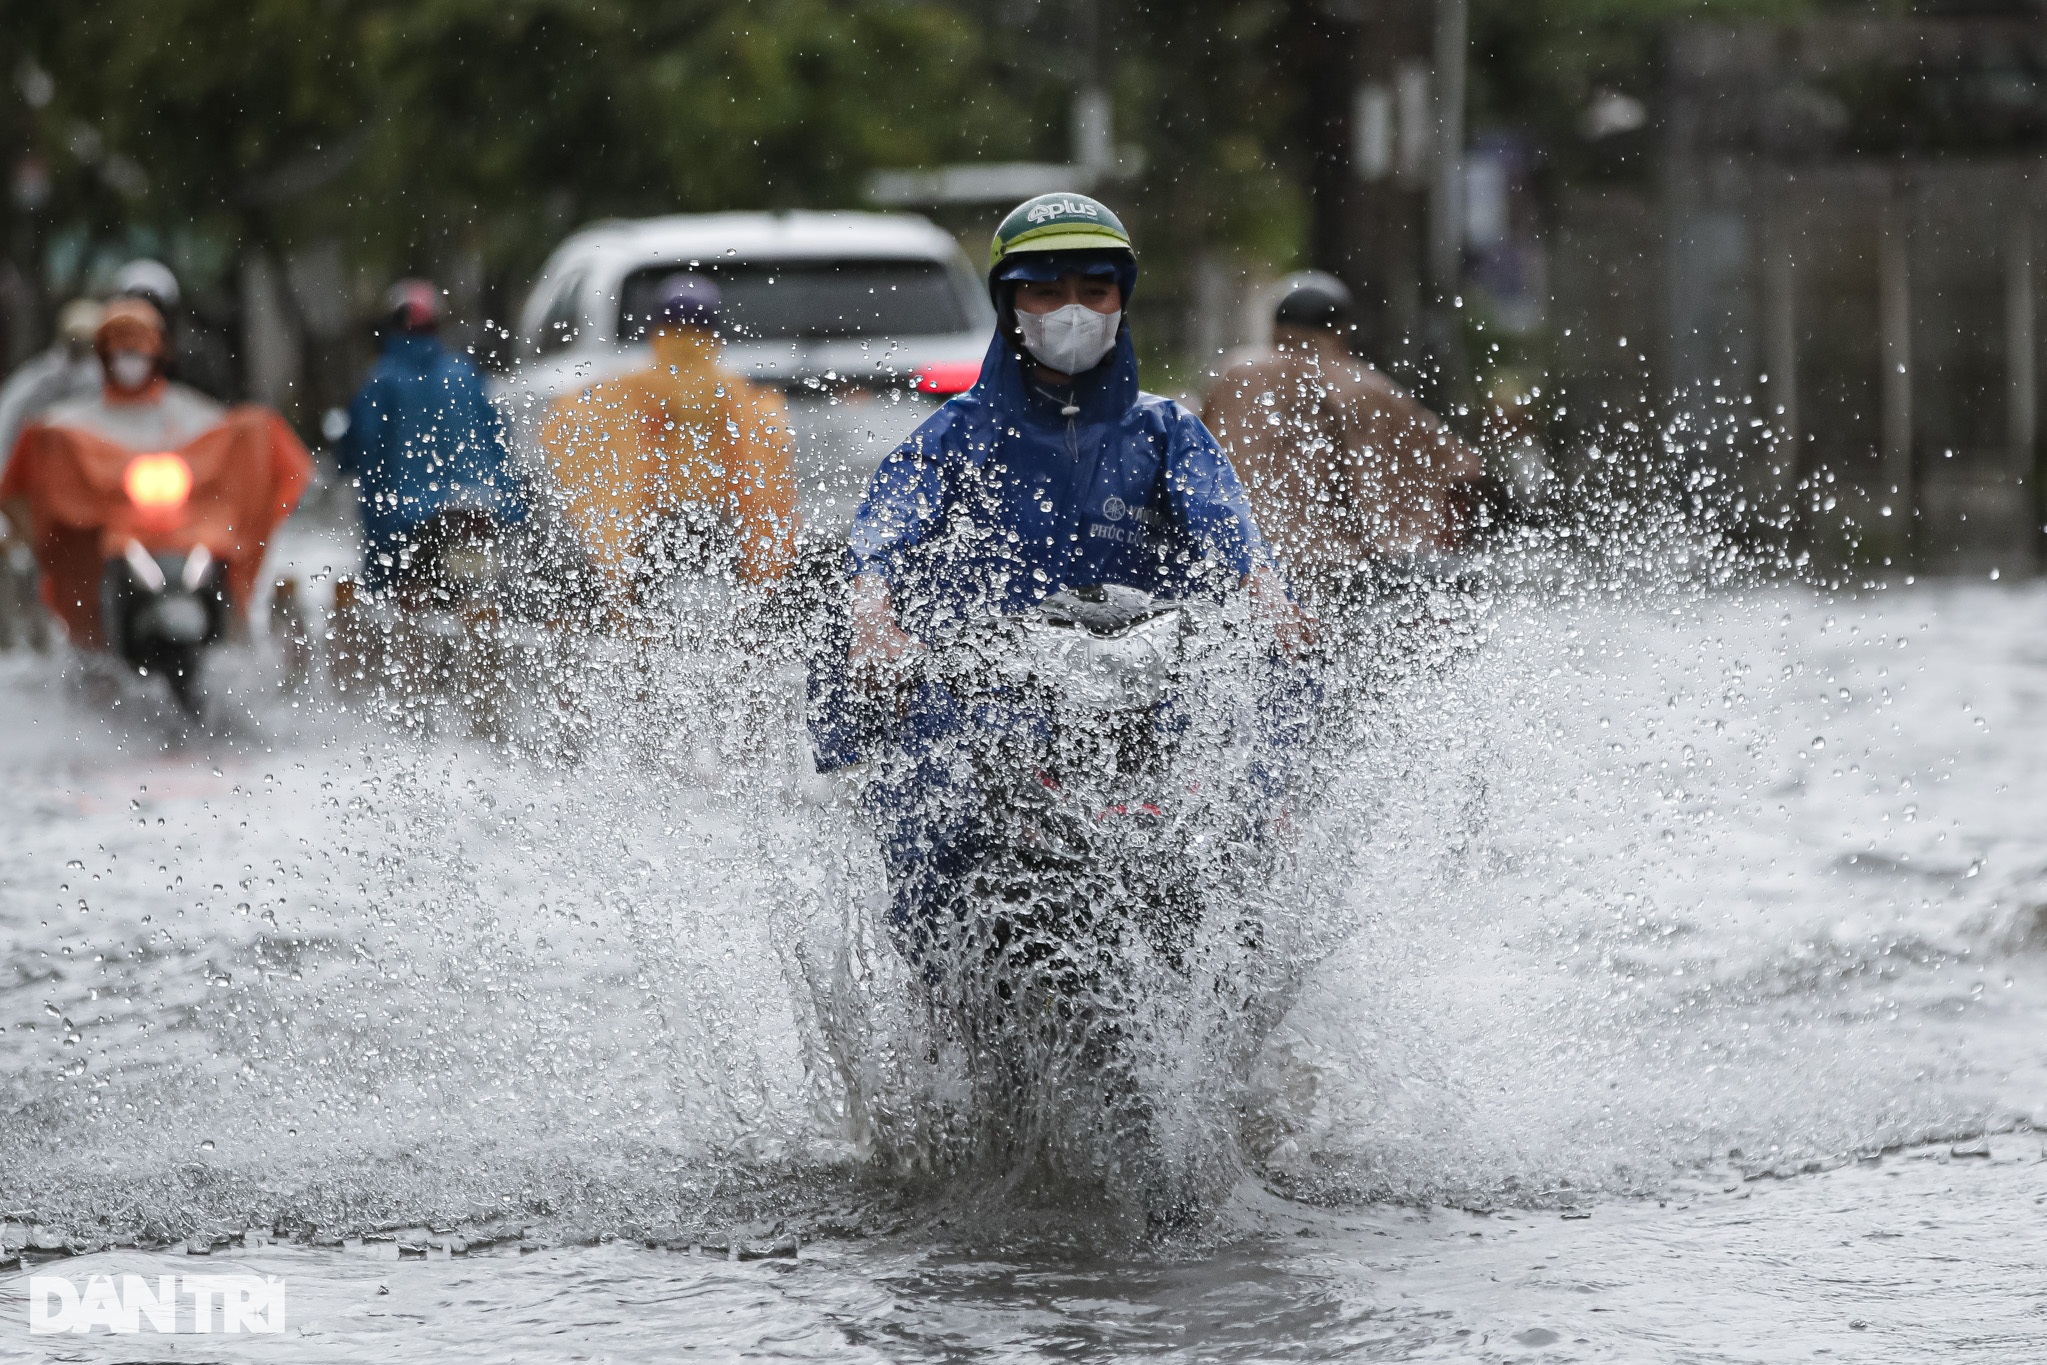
x,y
865,319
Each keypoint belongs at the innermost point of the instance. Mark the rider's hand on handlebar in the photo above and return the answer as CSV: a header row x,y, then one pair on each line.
x,y
1293,628
879,644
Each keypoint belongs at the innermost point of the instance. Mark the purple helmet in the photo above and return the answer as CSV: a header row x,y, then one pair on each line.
x,y
684,300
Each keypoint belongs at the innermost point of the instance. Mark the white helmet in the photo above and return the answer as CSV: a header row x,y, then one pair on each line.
x,y
77,321
148,279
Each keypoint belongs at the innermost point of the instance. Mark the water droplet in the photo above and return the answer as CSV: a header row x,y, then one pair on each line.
x,y
207,1145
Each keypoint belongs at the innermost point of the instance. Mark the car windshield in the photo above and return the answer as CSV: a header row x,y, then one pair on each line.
x,y
828,298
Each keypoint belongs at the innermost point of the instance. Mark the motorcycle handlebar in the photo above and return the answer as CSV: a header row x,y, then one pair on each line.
x,y
977,650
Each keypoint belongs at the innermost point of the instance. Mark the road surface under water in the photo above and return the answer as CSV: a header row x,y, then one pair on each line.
x,y
1692,1013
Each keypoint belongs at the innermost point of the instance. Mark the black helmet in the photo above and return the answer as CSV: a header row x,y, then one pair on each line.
x,y
1313,299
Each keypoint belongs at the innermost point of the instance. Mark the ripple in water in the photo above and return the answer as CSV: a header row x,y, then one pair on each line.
x,y
1633,885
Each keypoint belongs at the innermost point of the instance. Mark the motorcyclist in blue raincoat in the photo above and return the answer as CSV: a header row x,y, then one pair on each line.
x,y
423,440
1054,471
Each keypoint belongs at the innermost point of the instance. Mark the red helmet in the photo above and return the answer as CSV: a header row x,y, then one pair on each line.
x,y
413,306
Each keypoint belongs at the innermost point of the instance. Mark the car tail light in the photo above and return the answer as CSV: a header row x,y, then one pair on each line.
x,y
948,376
158,483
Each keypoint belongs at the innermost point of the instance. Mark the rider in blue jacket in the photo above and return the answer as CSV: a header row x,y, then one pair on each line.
x,y
423,439
1054,471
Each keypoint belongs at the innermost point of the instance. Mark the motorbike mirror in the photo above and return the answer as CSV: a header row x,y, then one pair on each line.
x,y
196,565
144,566
158,482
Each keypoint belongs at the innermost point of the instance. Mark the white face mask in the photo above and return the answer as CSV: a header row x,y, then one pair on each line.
x,y
1070,340
131,369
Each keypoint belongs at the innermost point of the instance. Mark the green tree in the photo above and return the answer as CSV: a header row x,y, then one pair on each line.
x,y
408,127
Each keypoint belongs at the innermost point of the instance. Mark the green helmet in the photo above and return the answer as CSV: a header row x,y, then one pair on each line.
x,y
1061,221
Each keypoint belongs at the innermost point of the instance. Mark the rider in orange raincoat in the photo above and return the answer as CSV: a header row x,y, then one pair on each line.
x,y
151,462
636,455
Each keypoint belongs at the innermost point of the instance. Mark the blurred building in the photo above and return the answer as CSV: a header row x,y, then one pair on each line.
x,y
1828,286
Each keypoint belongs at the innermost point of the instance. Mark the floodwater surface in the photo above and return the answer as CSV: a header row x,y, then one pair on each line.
x,y
1683,1002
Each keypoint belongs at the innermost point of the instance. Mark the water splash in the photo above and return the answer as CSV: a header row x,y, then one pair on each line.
x,y
1603,914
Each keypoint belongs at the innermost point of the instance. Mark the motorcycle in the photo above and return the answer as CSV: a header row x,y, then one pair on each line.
x,y
151,554
161,610
1071,749
1131,809
439,632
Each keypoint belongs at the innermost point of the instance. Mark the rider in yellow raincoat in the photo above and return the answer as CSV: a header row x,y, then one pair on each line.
x,y
638,456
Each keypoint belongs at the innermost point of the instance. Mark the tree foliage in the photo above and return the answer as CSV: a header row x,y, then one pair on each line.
x,y
419,132
411,129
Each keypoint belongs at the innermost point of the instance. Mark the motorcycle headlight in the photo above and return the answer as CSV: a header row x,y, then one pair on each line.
x,y
158,483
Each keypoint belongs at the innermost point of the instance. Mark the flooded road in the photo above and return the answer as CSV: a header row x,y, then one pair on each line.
x,y
1876,1262
1698,946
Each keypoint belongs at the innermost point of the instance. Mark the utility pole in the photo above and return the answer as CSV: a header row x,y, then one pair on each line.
x,y
1443,369
1897,490
1384,126
1446,197
1325,45
1092,140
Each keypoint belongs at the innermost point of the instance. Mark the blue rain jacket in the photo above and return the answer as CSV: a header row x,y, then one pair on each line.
x,y
422,440
999,500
